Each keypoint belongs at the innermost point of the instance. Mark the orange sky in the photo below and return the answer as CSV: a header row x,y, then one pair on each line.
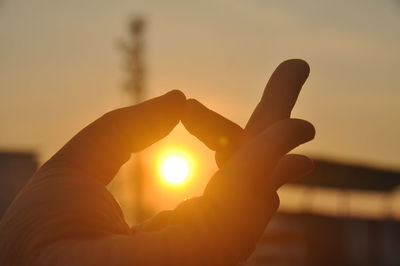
x,y
60,67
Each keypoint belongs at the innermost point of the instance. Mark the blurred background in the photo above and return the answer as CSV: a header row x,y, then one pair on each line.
x,y
65,63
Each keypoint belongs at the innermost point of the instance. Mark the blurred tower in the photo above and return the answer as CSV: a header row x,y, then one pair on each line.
x,y
134,50
135,86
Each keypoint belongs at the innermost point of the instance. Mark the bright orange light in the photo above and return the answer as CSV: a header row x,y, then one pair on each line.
x,y
175,167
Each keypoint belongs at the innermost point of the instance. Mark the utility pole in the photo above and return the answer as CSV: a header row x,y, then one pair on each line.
x,y
135,87
134,50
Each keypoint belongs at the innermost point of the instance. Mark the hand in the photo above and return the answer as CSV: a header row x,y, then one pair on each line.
x,y
66,216
276,104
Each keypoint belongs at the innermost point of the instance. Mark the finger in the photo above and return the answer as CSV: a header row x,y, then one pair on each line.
x,y
277,102
156,223
238,191
279,96
215,131
273,143
101,148
258,158
242,188
291,167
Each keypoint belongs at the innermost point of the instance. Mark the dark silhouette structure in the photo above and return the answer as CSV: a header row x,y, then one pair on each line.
x,y
346,176
312,239
15,170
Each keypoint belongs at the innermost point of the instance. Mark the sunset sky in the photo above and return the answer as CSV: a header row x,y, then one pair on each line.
x,y
61,67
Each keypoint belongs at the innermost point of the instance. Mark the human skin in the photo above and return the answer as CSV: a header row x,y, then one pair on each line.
x,y
66,216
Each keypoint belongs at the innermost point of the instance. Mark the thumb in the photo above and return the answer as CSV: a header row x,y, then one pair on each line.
x,y
102,147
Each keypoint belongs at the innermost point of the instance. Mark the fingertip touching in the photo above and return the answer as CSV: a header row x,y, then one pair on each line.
x,y
176,95
174,101
164,112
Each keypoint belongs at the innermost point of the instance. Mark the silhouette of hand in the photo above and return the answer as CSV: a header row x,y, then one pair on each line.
x,y
66,216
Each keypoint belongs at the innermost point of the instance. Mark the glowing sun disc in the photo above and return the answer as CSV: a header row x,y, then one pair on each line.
x,y
175,169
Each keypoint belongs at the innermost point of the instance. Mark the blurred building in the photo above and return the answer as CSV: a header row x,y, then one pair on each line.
x,y
314,238
15,170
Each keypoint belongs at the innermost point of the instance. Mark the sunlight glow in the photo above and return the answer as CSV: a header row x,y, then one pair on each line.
x,y
175,166
175,169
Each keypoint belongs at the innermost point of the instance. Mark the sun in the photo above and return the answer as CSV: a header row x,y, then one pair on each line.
x,y
175,169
